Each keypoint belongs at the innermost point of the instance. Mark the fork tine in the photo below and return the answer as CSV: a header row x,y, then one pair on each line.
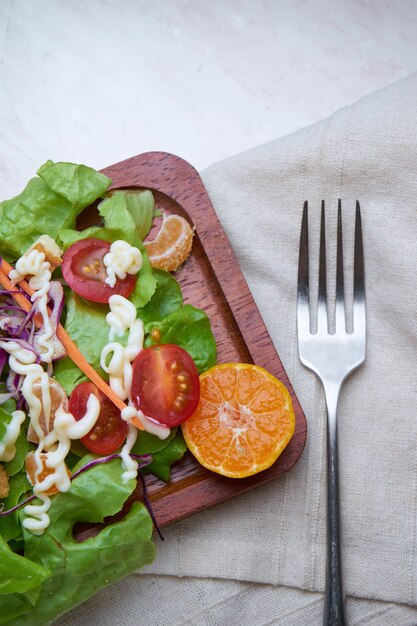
x,y
303,316
359,312
322,299
340,315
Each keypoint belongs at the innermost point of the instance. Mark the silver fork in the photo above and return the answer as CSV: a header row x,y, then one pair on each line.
x,y
332,356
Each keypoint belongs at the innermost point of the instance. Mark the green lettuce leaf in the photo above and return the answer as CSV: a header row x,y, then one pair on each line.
x,y
5,419
77,570
13,605
146,281
10,525
141,205
87,327
164,459
149,444
47,204
17,573
68,375
22,445
126,215
189,328
79,184
17,463
166,299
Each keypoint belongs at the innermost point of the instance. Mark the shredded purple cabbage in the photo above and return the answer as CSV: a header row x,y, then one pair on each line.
x,y
27,319
144,459
12,307
3,359
15,508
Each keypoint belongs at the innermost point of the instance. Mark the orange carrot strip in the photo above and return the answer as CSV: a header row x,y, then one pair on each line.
x,y
136,422
71,348
7,284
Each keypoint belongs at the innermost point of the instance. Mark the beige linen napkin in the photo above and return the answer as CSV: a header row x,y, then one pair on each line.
x,y
268,546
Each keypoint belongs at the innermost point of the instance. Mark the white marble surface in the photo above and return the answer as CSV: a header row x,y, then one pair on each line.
x,y
99,81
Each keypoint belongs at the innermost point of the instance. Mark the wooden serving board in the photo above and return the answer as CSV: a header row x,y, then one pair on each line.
x,y
212,280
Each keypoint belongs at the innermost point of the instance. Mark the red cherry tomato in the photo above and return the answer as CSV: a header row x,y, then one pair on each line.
x,y
165,384
85,272
110,431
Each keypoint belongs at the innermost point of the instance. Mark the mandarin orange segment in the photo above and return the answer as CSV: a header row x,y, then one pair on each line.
x,y
172,245
240,454
208,410
213,448
209,391
203,430
267,399
259,443
249,385
274,423
226,380
243,421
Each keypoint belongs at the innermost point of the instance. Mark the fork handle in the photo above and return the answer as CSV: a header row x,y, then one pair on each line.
x,y
334,602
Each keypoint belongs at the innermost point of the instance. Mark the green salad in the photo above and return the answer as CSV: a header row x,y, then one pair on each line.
x,y
44,570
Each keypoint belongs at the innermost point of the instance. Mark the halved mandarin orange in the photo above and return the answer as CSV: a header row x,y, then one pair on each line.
x,y
243,421
172,245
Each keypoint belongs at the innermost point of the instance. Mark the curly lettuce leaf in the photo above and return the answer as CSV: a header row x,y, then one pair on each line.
x,y
78,570
189,328
17,573
126,215
47,204
79,184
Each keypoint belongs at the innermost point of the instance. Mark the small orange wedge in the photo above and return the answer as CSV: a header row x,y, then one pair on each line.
x,y
243,421
172,245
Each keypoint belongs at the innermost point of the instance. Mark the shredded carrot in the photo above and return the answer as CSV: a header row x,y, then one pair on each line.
x,y
136,422
71,348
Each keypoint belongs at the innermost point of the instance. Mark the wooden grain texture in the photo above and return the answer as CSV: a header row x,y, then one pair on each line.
x,y
212,280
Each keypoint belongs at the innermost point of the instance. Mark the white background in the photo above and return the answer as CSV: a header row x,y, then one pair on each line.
x,y
99,81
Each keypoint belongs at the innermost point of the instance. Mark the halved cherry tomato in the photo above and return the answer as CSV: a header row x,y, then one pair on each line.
x,y
109,432
85,272
165,384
